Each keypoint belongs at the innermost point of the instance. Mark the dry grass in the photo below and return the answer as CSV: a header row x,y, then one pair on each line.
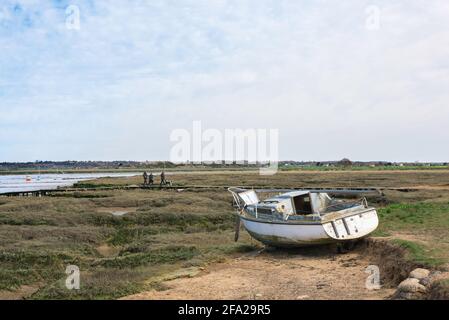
x,y
167,230
40,236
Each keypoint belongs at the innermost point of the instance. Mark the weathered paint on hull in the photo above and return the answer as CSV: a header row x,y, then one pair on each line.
x,y
288,235
276,241
285,235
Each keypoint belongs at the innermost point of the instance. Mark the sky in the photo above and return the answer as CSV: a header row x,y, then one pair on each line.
x,y
366,80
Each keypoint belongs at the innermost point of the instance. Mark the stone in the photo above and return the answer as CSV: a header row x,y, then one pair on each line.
x,y
410,289
419,273
436,273
426,281
409,296
411,285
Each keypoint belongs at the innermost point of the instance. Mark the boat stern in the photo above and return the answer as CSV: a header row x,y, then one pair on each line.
x,y
350,227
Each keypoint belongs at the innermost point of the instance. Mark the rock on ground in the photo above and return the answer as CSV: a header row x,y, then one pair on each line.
x,y
411,285
410,289
419,273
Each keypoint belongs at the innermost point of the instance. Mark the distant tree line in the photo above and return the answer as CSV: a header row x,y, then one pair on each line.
x,y
92,165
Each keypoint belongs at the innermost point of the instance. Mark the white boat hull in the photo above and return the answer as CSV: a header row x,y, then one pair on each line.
x,y
338,229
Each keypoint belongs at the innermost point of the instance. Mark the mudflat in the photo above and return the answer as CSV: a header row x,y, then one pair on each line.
x,y
162,243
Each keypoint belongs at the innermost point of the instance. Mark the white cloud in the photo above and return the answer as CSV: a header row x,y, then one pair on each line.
x,y
138,69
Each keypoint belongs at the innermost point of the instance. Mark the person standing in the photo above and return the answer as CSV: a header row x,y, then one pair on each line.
x,y
145,178
163,182
150,179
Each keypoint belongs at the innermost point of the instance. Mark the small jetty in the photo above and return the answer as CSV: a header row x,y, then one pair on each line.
x,y
51,192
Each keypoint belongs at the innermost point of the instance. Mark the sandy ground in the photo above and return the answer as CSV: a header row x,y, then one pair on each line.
x,y
312,273
20,293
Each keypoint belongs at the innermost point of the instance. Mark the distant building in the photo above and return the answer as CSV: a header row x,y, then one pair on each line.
x,y
345,162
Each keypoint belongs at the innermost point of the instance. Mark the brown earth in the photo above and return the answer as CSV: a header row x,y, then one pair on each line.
x,y
21,293
427,179
312,273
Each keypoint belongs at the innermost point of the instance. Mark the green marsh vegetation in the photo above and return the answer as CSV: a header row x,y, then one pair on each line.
x,y
169,230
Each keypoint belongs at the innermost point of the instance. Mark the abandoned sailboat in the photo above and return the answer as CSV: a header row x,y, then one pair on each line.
x,y
306,217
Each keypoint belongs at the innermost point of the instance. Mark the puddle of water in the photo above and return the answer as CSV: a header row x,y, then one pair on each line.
x,y
119,213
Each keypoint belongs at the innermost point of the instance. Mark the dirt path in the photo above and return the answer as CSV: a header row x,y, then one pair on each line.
x,y
19,294
302,274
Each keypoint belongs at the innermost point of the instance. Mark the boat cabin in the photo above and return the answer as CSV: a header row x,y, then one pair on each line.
x,y
293,205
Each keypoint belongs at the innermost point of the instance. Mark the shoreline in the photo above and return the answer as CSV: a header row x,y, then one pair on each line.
x,y
224,170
